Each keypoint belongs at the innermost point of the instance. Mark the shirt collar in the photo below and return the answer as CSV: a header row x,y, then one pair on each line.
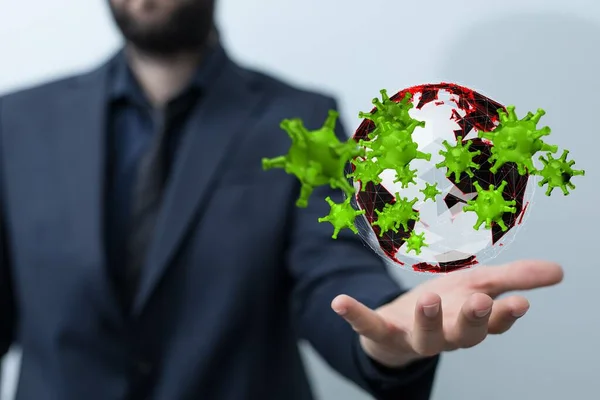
x,y
124,86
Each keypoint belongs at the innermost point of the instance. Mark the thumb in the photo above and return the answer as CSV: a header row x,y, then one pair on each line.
x,y
364,321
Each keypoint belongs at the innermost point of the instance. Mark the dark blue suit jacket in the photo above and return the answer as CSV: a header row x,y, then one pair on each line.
x,y
236,273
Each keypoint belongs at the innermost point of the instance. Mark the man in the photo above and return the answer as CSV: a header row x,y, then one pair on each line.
x,y
146,255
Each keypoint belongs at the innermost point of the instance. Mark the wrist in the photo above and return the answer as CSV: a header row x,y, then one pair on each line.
x,y
389,359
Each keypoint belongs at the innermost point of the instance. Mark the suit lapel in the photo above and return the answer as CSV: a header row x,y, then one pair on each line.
x,y
80,145
222,115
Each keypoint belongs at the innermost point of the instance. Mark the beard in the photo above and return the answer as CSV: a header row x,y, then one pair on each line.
x,y
185,28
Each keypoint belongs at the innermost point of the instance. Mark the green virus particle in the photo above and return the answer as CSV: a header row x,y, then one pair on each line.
x,y
430,191
316,157
394,151
392,216
517,140
405,176
416,242
392,128
458,159
391,141
365,171
388,111
490,206
557,172
401,155
341,216
388,137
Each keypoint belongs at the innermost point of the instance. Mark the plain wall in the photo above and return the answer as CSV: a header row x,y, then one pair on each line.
x,y
533,53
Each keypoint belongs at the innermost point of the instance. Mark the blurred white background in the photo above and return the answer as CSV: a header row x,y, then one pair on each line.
x,y
534,53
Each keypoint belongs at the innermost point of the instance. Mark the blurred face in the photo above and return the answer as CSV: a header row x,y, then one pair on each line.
x,y
164,27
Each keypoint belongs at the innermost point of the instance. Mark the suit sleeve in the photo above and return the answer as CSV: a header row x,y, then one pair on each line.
x,y
7,304
323,268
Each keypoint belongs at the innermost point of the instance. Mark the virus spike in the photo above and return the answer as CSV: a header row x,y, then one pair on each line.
x,y
545,131
538,115
406,99
512,115
415,124
363,115
330,122
528,116
378,104
384,95
501,224
502,116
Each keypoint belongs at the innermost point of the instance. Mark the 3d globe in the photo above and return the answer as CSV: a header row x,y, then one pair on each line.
x,y
445,237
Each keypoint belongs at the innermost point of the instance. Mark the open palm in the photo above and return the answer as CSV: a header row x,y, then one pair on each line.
x,y
454,311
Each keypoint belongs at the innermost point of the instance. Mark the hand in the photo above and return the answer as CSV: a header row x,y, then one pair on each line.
x,y
454,311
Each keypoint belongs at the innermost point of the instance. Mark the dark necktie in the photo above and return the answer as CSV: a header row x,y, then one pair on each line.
x,y
146,200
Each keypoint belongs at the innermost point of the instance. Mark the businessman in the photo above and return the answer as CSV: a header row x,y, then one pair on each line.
x,y
146,255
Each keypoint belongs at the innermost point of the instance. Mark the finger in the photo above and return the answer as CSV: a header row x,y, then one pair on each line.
x,y
472,323
427,336
520,275
363,320
506,312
